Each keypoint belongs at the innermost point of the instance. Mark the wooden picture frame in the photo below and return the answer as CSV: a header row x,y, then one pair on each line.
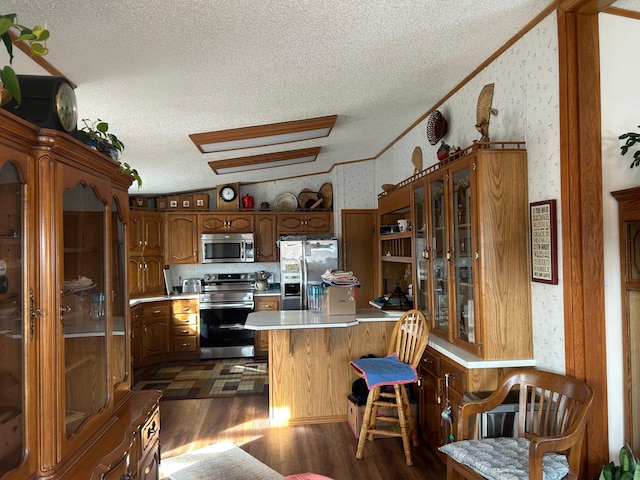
x,y
544,242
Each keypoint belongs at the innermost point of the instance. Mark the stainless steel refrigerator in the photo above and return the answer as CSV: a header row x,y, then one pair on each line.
x,y
303,259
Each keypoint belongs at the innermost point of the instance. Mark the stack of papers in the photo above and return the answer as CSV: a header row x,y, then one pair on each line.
x,y
338,278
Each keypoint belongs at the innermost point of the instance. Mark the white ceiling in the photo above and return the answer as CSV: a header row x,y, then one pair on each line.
x,y
158,70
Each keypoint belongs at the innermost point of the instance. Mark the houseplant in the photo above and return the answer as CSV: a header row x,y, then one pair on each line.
x,y
631,138
37,39
96,134
627,470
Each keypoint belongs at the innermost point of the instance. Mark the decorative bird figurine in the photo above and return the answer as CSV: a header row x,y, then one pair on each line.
x,y
484,111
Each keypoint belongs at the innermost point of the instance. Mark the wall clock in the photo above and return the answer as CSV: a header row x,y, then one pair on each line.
x,y
228,197
228,193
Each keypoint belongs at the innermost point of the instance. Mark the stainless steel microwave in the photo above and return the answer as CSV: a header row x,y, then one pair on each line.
x,y
227,247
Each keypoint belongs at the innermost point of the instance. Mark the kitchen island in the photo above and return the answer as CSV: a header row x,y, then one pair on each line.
x,y
309,355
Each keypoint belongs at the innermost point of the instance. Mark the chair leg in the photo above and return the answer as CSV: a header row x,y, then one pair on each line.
x,y
373,395
403,423
410,420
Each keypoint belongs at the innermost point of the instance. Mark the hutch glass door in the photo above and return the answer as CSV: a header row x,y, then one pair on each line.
x,y
421,288
12,321
83,306
438,255
462,256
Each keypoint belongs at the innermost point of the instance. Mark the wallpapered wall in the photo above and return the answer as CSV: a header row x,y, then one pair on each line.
x,y
525,81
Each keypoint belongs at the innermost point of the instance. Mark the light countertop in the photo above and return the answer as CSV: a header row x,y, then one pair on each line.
x,y
300,319
470,361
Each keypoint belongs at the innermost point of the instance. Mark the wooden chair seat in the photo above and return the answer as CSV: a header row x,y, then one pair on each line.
x,y
408,341
552,417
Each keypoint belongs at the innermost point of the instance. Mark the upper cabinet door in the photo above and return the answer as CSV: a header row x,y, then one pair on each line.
x,y
439,252
16,335
84,307
461,259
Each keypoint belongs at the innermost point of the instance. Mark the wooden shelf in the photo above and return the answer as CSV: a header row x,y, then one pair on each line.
x,y
393,259
394,236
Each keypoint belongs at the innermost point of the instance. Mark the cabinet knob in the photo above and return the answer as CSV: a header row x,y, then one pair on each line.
x,y
184,331
185,344
425,253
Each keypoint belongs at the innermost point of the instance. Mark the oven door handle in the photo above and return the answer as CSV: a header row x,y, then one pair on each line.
x,y
231,326
220,306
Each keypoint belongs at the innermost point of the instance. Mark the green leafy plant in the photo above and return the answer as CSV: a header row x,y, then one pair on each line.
x,y
627,470
631,138
96,134
36,37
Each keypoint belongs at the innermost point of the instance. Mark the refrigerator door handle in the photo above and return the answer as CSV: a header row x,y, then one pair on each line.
x,y
303,284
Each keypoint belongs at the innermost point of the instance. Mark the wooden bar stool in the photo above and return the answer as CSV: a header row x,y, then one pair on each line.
x,y
398,368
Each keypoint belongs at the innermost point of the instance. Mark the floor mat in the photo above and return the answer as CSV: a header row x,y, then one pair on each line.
x,y
210,379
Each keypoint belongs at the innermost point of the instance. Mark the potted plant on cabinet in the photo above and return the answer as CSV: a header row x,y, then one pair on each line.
x,y
631,138
37,39
96,135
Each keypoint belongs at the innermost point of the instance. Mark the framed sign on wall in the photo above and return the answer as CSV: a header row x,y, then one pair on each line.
x,y
544,247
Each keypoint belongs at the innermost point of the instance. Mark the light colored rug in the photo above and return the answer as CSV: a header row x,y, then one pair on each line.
x,y
222,460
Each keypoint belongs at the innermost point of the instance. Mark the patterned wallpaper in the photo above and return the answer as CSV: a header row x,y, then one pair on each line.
x,y
525,79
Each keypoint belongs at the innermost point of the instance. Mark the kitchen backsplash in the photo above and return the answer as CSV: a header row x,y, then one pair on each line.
x,y
179,272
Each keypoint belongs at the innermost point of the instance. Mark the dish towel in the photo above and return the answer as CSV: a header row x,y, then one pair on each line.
x,y
389,370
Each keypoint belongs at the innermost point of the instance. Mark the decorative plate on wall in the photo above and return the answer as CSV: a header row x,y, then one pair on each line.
x,y
286,202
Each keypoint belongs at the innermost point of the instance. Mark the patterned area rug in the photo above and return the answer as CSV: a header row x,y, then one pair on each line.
x,y
207,379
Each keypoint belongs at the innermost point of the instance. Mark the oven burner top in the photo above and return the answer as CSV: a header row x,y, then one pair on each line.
x,y
225,282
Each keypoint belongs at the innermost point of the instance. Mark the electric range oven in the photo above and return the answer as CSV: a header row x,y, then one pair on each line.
x,y
225,302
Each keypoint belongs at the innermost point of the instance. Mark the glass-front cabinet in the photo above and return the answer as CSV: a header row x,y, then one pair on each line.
x,y
476,228
66,405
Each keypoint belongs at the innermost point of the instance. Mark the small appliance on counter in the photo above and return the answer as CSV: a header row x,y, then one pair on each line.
x,y
191,285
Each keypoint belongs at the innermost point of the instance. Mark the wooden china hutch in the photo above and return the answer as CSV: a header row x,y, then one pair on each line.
x,y
66,405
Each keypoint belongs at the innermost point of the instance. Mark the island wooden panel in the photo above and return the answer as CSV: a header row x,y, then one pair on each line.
x,y
309,372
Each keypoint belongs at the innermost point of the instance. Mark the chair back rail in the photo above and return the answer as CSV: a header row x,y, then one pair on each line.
x,y
411,335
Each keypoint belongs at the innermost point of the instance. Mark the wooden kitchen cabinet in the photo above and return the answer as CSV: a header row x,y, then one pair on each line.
x,y
266,236
226,223
305,222
264,303
146,276
146,233
182,238
145,272
444,382
65,353
185,321
156,330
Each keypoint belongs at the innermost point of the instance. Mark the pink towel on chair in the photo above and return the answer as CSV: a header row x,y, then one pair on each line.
x,y
389,370
306,476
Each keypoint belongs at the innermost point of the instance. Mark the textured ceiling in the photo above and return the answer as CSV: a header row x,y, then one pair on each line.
x,y
159,70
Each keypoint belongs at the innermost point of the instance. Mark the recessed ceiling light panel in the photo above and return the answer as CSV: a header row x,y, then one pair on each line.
x,y
268,160
263,135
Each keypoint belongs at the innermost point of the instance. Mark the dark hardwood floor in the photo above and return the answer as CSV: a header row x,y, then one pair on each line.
x,y
327,449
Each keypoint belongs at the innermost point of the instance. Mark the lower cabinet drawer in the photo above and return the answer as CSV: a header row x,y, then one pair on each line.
x,y
150,433
184,344
185,331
